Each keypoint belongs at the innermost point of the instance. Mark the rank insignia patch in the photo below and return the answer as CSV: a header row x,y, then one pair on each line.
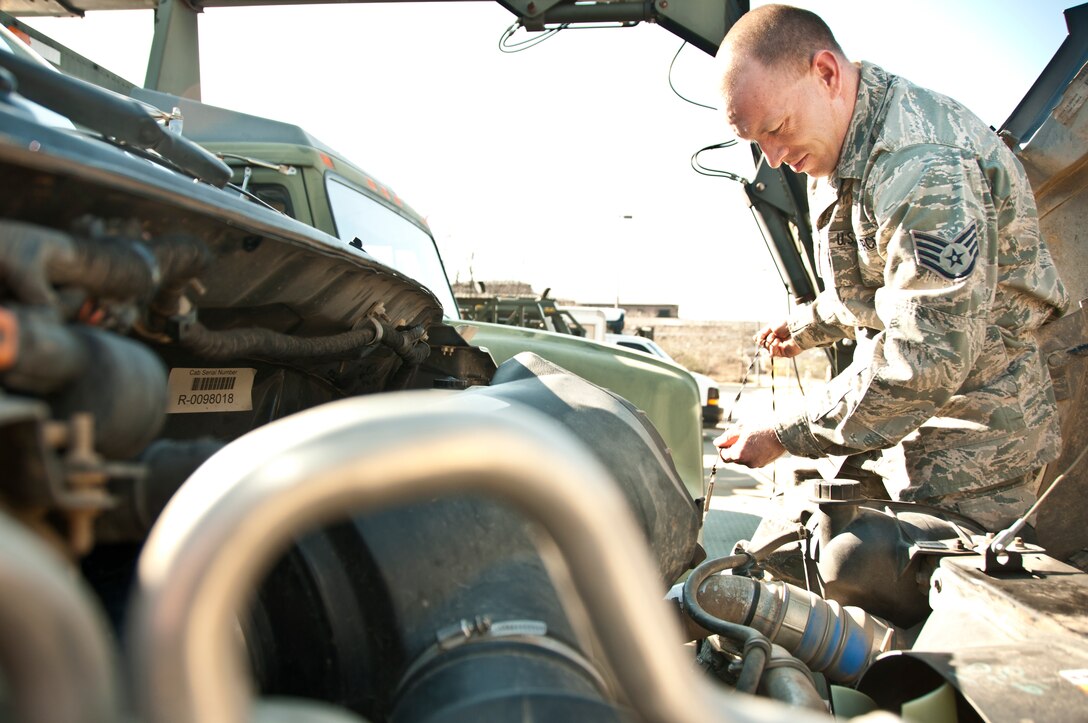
x,y
951,258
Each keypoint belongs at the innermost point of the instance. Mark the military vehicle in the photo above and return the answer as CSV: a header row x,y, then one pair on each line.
x,y
255,471
531,313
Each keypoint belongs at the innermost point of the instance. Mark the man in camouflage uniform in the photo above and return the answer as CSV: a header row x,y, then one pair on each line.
x,y
930,252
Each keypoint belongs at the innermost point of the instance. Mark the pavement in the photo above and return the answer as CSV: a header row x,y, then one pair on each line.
x,y
742,496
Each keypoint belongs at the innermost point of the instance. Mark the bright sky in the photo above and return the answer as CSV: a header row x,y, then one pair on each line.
x,y
527,164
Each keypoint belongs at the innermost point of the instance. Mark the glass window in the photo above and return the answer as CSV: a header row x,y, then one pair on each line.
x,y
390,238
275,196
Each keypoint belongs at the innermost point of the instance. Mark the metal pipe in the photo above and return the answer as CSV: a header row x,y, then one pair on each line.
x,y
225,525
55,652
839,641
787,679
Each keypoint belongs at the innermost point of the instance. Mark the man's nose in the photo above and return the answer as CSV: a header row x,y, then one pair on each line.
x,y
774,152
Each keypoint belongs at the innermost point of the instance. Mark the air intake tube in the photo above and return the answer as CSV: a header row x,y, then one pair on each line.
x,y
838,641
445,607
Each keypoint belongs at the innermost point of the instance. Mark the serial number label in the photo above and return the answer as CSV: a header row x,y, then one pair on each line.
x,y
210,390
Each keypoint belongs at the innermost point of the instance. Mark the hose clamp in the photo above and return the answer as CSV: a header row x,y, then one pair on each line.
x,y
481,629
379,331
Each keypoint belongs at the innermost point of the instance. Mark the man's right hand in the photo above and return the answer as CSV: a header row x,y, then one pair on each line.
x,y
751,448
777,341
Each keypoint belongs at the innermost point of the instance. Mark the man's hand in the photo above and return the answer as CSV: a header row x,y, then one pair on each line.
x,y
777,341
754,448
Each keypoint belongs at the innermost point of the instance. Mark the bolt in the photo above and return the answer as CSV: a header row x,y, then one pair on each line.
x,y
664,4
761,187
531,8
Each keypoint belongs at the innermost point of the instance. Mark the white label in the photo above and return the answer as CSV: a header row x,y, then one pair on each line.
x,y
46,51
210,390
1075,96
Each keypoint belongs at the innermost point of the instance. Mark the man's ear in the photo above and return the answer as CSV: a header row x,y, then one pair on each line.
x,y
828,70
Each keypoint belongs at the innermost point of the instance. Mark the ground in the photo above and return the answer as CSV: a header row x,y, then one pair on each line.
x,y
743,496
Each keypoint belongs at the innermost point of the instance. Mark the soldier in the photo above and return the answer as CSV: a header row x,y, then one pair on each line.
x,y
930,252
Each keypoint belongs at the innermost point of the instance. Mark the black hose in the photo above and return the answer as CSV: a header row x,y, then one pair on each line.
x,y
181,258
113,115
113,267
769,548
49,355
756,647
268,344
29,258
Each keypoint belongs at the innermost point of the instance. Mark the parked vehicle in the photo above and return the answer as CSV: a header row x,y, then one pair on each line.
x,y
592,318
708,388
529,313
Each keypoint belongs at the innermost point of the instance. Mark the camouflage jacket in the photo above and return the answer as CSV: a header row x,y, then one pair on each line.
x,y
930,251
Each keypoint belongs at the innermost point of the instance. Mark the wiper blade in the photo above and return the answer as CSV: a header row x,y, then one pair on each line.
x,y
113,115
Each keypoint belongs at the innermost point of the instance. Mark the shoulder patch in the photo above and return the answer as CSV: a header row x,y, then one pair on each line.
x,y
951,258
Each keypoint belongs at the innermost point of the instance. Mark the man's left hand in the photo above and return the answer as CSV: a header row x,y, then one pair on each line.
x,y
751,448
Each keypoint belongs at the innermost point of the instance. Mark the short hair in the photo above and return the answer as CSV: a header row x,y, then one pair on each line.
x,y
780,36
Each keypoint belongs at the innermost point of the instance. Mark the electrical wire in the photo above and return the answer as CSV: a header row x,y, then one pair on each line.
x,y
521,45
774,415
797,376
743,382
673,87
255,198
793,360
715,172
774,389
695,164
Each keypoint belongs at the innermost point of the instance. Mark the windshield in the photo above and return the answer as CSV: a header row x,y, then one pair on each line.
x,y
646,347
391,239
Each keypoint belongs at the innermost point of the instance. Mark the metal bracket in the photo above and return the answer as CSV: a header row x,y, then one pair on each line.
x,y
1005,561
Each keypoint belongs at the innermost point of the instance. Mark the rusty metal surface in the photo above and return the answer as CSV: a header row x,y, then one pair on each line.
x,y
1057,166
1062,520
1013,645
1002,684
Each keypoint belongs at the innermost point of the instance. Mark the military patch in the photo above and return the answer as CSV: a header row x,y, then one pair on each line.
x,y
951,258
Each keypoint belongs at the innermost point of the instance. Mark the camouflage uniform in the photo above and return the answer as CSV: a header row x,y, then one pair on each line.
x,y
929,246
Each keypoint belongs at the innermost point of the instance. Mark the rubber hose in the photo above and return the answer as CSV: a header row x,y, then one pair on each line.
x,y
233,343
757,647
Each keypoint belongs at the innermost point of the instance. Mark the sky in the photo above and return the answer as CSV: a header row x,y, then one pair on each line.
x,y
566,165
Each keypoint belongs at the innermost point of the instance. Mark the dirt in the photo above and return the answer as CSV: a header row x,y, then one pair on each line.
x,y
723,350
